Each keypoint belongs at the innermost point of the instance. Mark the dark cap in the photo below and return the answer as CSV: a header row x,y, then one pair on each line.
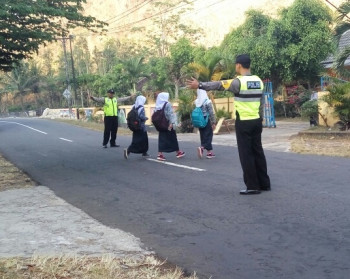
x,y
243,59
110,91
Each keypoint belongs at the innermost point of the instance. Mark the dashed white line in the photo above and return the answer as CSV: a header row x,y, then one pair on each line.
x,y
176,165
66,139
25,126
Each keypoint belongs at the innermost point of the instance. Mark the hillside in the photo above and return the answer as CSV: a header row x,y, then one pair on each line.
x,y
215,17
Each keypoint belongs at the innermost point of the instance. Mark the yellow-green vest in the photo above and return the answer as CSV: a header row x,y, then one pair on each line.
x,y
247,102
111,107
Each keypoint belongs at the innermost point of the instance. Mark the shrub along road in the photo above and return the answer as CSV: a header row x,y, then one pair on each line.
x,y
190,211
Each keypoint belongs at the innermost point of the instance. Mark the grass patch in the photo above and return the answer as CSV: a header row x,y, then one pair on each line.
x,y
328,144
11,177
106,267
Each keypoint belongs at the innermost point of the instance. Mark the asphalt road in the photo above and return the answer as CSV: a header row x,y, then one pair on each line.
x,y
194,215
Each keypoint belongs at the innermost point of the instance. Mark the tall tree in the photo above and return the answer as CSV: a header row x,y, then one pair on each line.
x,y
25,25
289,48
307,40
82,56
181,54
136,69
167,27
23,79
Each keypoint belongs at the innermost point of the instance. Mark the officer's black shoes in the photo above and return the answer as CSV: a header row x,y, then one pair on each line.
x,y
104,146
115,145
265,189
249,192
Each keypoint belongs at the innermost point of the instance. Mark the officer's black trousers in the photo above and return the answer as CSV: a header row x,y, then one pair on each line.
x,y
251,153
111,129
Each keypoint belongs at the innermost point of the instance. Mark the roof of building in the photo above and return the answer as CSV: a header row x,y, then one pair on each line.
x,y
343,43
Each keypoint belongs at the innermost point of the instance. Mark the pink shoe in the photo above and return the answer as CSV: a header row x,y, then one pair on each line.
x,y
161,157
180,154
210,155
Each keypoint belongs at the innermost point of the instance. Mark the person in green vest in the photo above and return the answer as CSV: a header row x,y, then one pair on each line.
x,y
248,92
110,107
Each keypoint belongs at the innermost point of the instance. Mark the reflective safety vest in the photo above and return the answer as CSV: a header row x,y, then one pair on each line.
x,y
111,107
247,102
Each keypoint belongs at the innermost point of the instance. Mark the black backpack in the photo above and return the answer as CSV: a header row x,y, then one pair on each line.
x,y
133,120
159,120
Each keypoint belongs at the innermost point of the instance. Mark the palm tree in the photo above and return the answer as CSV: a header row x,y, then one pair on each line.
x,y
213,68
343,25
136,69
23,78
209,69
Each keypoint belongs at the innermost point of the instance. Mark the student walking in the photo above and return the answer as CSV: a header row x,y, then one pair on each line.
x,y
206,133
110,108
248,90
167,140
139,143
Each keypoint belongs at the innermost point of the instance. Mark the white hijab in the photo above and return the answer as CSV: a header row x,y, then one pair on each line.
x,y
201,97
140,101
161,99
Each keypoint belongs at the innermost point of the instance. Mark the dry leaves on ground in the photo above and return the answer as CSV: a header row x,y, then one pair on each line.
x,y
11,177
106,267
328,145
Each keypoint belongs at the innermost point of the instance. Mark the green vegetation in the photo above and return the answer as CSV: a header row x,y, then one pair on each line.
x,y
287,50
24,26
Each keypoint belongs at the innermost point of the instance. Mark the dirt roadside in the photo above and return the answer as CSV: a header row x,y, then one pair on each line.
x,y
320,142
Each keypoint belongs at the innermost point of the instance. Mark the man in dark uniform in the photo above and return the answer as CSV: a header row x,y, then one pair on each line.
x,y
248,90
110,107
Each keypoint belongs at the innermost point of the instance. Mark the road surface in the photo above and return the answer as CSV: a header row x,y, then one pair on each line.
x,y
189,211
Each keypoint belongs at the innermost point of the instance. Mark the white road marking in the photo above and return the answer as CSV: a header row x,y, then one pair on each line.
x,y
66,139
25,126
176,165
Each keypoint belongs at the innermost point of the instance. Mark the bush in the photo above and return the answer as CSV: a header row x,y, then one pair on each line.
x,y
14,108
339,98
310,109
184,111
223,113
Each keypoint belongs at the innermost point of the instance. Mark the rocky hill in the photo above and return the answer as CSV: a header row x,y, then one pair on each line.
x,y
215,17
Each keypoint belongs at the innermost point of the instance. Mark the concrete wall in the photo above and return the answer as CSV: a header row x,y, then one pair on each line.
x,y
326,111
222,103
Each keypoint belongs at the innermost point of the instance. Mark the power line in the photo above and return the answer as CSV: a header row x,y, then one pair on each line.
x,y
122,27
130,11
206,7
334,6
126,27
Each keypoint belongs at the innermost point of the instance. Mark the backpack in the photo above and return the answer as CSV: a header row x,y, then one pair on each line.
x,y
198,119
159,120
133,120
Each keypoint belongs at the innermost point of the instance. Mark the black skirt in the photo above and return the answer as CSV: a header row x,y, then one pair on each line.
x,y
206,136
139,142
167,141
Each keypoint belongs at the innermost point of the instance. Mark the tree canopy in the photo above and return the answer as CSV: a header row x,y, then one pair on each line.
x,y
27,24
288,48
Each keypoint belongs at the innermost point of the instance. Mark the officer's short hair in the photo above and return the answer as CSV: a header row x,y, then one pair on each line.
x,y
244,60
110,91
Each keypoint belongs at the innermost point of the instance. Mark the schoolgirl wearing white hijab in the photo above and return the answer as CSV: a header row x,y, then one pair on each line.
x,y
139,143
206,133
167,140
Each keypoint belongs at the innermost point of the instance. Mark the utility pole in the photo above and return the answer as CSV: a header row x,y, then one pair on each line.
x,y
73,74
66,69
64,39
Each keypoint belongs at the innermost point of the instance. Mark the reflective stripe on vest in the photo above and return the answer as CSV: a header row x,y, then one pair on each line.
x,y
110,107
247,102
